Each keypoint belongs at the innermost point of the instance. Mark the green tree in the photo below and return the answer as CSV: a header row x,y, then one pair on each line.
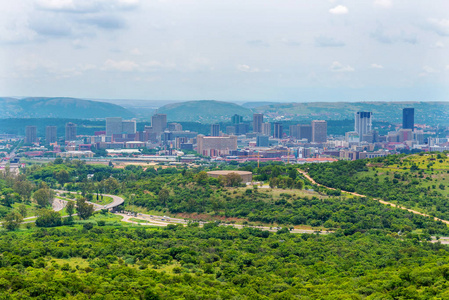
x,y
163,196
62,177
12,221
48,218
70,208
23,210
43,197
84,209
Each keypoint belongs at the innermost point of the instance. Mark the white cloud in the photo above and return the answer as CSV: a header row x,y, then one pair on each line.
x,y
339,10
246,68
429,70
438,45
339,67
376,66
383,3
325,41
440,26
122,65
135,51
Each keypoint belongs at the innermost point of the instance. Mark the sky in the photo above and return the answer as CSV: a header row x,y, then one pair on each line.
x,y
234,50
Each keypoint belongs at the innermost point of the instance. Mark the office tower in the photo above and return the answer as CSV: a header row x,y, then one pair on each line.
x,y
159,123
262,141
236,119
319,131
70,132
257,122
215,130
51,134
266,129
129,127
305,132
30,134
215,146
113,126
408,118
174,127
294,131
362,122
277,134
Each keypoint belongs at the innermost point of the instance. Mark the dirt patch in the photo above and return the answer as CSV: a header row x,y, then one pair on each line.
x,y
196,216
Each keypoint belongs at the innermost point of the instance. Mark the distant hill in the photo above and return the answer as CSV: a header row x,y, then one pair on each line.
x,y
69,108
432,113
207,111
257,104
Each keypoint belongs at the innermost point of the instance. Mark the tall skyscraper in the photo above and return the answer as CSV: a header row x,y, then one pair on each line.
x,y
113,126
305,132
159,123
215,130
362,122
117,125
236,119
51,134
294,131
70,132
129,127
30,134
408,118
266,129
319,131
277,134
257,122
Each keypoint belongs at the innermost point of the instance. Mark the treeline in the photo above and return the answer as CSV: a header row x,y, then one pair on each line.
x,y
402,187
217,262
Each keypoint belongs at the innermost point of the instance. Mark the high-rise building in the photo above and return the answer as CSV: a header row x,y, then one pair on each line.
x,y
294,131
319,131
305,132
266,129
113,126
216,146
362,122
30,134
257,122
236,119
129,127
117,125
215,130
70,131
159,123
51,134
408,118
174,127
262,141
277,134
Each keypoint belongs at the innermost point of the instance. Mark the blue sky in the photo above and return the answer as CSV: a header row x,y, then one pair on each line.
x,y
254,50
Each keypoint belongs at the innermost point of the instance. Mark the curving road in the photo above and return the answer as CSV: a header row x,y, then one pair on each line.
x,y
376,199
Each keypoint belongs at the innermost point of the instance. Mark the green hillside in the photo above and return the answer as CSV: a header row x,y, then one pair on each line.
x,y
39,107
207,111
431,113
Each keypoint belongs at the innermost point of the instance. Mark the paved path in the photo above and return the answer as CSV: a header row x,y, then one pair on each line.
x,y
379,200
164,221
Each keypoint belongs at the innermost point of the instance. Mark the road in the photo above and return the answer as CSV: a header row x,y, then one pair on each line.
x,y
376,199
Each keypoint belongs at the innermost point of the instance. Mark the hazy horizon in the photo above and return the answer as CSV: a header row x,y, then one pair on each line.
x,y
289,51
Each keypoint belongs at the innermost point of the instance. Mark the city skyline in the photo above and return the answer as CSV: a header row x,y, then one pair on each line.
x,y
239,51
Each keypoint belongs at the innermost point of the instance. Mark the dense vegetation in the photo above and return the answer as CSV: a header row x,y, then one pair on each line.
x,y
375,252
415,181
217,263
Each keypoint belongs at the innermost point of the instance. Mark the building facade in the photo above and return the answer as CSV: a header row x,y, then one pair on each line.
x,y
70,132
319,131
51,134
30,134
257,122
216,146
408,118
